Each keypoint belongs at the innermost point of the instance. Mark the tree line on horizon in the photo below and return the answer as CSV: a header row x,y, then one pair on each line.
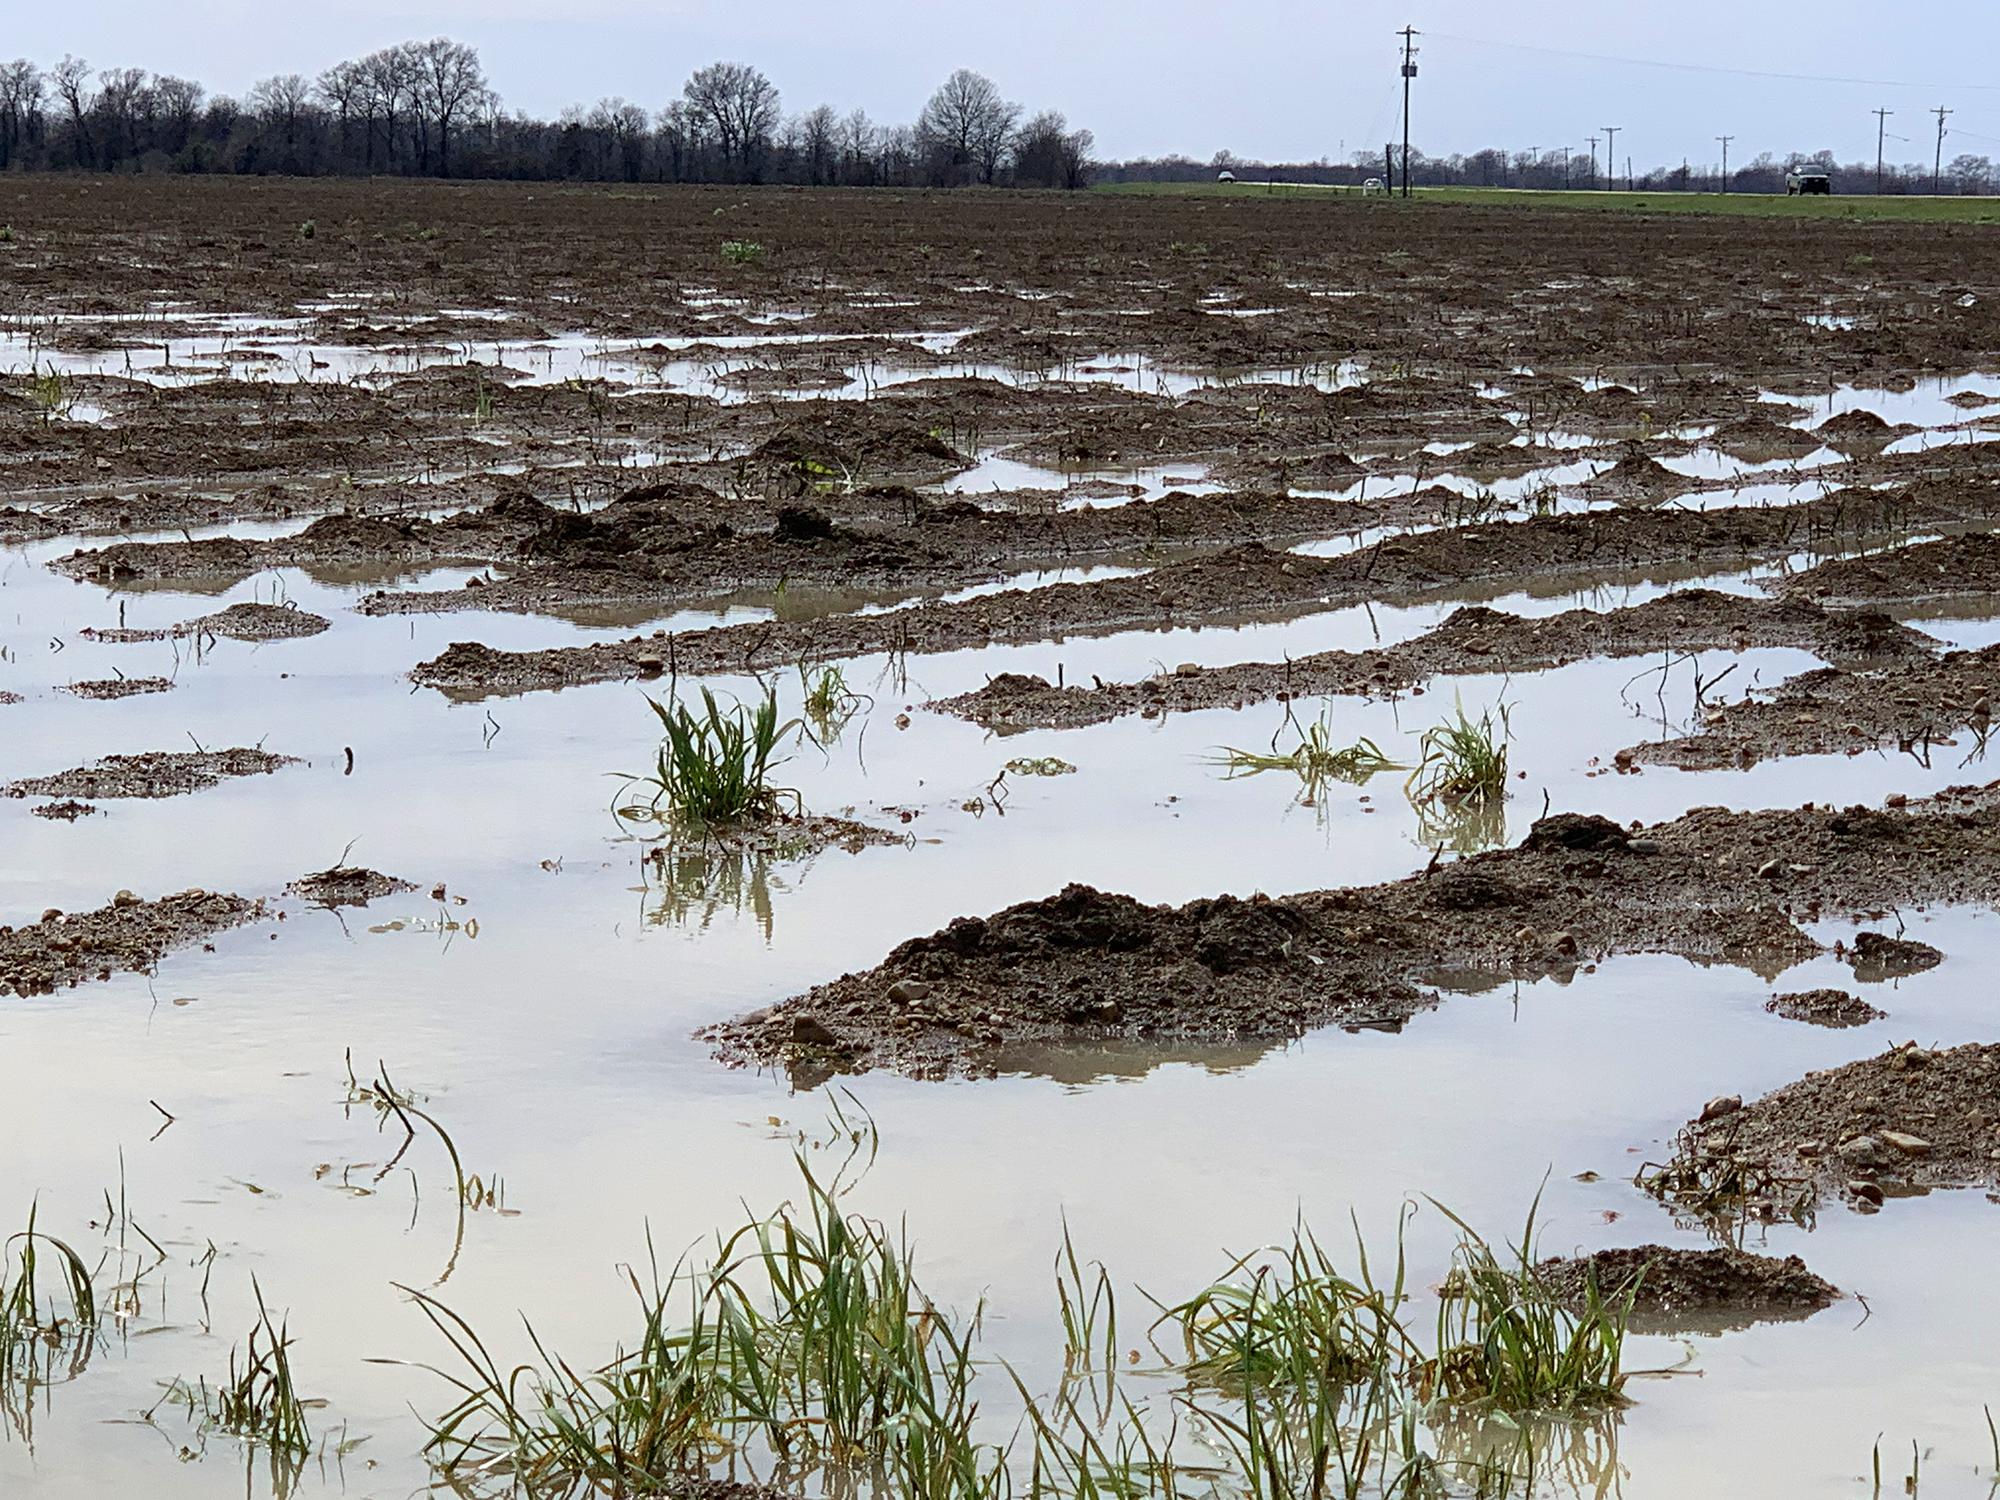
x,y
1546,171
427,109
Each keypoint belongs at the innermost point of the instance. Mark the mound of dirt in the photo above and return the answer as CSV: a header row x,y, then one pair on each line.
x,y
63,812
162,773
1671,1283
106,688
1876,956
1951,566
1859,428
1086,965
1907,1121
1831,1008
1472,639
127,935
239,622
346,885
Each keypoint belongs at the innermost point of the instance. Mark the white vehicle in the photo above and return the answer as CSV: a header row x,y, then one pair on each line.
x,y
1225,176
1808,179
1373,186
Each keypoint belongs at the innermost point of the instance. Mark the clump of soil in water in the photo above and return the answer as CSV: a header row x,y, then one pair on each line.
x,y
1876,956
1904,1122
164,773
347,885
1086,965
1833,1008
7,698
1673,1283
239,622
127,935
119,687
64,812
1855,429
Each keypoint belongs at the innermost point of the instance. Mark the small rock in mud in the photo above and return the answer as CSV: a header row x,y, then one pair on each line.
x,y
167,773
347,885
64,812
7,698
106,688
128,934
1876,956
1671,1283
1833,1008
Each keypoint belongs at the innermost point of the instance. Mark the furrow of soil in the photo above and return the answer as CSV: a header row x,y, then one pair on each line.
x,y
1472,639
1925,708
1712,886
1243,582
164,773
128,934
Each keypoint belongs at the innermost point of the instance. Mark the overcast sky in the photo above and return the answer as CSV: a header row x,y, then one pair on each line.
x,y
1277,79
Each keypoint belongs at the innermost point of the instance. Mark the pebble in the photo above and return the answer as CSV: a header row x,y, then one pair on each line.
x,y
1863,1151
649,665
1812,1148
1896,799
1909,1145
1564,943
1527,937
1187,669
1866,1191
1721,1107
812,1032
1644,846
125,898
53,914
1770,869
909,992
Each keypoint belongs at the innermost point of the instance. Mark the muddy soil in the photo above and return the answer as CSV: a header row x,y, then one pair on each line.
x,y
126,935
1473,639
165,773
1906,1121
663,548
1836,1009
239,622
347,885
1711,886
1672,1284
1948,568
1938,709
108,688
1242,582
65,812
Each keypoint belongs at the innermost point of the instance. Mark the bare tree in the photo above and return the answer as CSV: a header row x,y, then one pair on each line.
x,y
343,88
678,130
967,127
741,106
71,79
819,144
449,86
391,82
178,102
859,142
22,90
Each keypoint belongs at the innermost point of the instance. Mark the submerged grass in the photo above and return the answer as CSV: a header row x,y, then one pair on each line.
x,y
1313,754
714,766
806,1354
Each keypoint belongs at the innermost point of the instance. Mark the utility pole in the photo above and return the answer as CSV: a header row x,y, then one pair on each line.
x,y
1565,152
1937,168
1611,156
1593,159
1881,133
1725,139
1409,36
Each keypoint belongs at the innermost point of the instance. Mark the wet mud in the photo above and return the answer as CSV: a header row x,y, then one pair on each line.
x,y
128,934
166,773
1674,1290
1711,886
1831,1008
1473,639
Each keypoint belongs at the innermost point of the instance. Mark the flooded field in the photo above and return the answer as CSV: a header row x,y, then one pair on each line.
x,y
1306,737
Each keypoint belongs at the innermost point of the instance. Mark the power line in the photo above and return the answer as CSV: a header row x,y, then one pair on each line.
x,y
1681,67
